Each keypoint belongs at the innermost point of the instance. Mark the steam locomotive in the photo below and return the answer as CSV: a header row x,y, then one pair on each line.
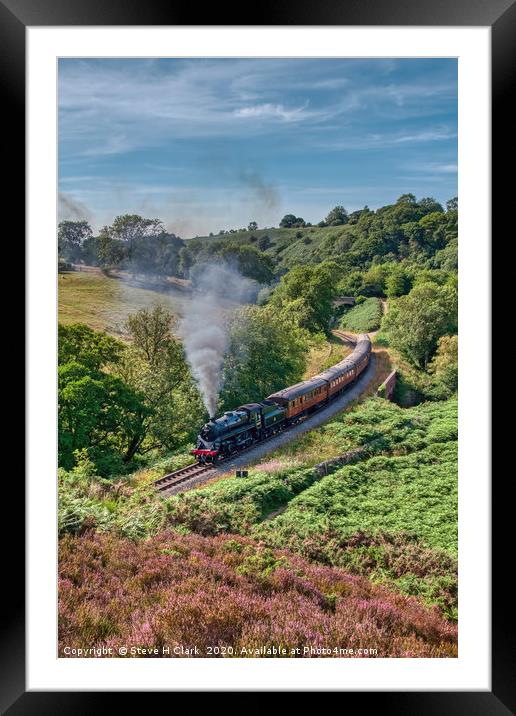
x,y
251,423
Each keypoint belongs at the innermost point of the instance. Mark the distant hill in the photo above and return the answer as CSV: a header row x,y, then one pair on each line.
x,y
422,232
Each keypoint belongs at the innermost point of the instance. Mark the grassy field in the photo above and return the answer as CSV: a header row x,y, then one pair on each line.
x,y
104,303
366,316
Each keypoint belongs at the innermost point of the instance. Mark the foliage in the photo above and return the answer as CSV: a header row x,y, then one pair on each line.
x,y
308,293
154,364
138,244
71,236
248,260
230,593
92,349
397,282
337,216
444,366
98,412
118,401
266,352
290,221
415,322
364,317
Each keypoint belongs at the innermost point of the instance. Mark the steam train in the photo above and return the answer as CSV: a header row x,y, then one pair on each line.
x,y
253,422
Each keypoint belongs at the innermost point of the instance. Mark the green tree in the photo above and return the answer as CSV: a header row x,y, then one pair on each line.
x,y
154,365
266,351
130,227
308,292
337,216
156,255
99,413
244,258
444,366
264,242
71,236
186,261
290,221
249,261
406,199
111,252
397,282
374,280
447,258
130,239
252,226
90,348
415,322
429,205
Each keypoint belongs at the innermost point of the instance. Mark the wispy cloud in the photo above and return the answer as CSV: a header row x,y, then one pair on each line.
x,y
275,111
434,167
213,143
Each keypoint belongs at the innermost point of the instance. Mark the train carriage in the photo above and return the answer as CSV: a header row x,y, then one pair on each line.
x,y
237,429
301,397
338,377
362,353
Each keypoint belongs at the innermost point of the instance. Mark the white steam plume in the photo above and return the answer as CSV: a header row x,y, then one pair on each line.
x,y
204,325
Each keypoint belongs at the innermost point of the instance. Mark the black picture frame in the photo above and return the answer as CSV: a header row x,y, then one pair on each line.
x,y
500,15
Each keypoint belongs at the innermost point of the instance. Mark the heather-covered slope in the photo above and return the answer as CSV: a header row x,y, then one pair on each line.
x,y
233,594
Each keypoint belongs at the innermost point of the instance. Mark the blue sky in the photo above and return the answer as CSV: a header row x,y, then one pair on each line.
x,y
210,144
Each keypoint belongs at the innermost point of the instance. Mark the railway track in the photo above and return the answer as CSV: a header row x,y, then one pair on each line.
x,y
182,475
195,470
346,337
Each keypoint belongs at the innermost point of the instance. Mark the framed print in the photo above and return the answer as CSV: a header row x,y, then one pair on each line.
x,y
263,461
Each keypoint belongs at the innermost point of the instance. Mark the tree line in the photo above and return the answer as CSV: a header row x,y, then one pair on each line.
x,y
408,230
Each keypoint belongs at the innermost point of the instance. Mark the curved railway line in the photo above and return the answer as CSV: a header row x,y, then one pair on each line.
x,y
195,474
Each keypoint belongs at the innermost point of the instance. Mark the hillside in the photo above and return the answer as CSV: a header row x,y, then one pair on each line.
x,y
287,247
296,552
391,516
229,597
418,231
103,303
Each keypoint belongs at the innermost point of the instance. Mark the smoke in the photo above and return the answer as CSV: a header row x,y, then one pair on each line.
x,y
204,325
72,210
263,195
